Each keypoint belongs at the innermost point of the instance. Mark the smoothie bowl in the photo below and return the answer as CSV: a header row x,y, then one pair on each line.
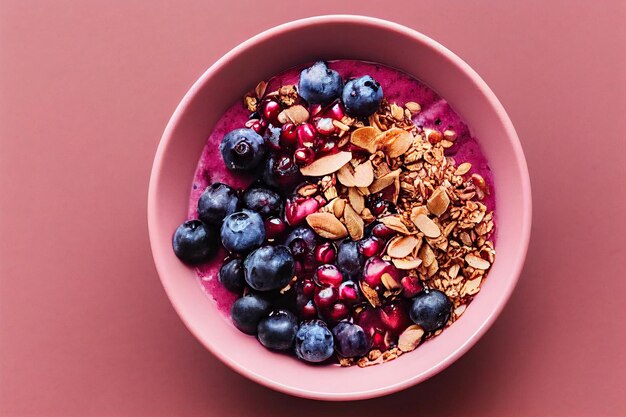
x,y
339,208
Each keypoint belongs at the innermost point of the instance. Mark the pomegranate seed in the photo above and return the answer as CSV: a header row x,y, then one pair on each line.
x,y
324,126
308,311
348,292
274,228
326,253
381,207
304,156
382,231
395,317
328,275
327,146
308,288
411,286
325,297
338,312
306,135
270,111
371,246
375,268
289,136
297,208
378,341
315,109
335,111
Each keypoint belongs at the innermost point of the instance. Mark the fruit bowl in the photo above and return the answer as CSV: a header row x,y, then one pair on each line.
x,y
336,37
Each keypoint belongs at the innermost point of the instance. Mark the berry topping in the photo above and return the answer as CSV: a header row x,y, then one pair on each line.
x,y
362,96
319,84
278,330
314,342
231,275
248,311
431,310
242,232
269,268
193,242
216,202
350,340
242,149
263,201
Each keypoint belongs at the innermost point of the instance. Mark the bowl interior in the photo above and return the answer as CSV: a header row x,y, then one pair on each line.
x,y
336,37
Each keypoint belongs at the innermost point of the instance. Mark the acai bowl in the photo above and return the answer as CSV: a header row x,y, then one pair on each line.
x,y
350,215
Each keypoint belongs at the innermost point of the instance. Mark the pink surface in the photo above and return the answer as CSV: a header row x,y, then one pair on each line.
x,y
399,88
85,328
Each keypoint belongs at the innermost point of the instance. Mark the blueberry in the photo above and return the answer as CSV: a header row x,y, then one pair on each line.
x,y
319,84
350,260
265,202
362,96
281,171
269,268
314,342
301,240
430,310
194,242
248,311
216,202
242,149
278,330
231,275
242,232
351,340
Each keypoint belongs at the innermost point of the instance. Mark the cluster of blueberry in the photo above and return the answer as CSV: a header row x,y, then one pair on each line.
x,y
268,244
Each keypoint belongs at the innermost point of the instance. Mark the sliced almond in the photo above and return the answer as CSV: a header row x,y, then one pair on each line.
x,y
345,175
438,202
454,271
370,294
327,225
394,142
367,216
407,263
364,174
401,246
357,201
326,164
383,182
397,112
416,211
427,255
472,286
364,137
394,222
338,207
463,168
354,223
449,135
477,262
427,226
410,338
413,107
297,115
260,89
389,282
460,310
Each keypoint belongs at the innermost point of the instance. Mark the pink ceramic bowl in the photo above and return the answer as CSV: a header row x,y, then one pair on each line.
x,y
336,37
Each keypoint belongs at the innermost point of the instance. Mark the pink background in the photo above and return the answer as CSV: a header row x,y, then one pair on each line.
x,y
85,92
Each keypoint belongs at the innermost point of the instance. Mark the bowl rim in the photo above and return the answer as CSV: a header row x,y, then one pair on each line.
x,y
483,88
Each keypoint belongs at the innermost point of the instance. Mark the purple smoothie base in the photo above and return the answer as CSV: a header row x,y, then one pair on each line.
x,y
398,87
